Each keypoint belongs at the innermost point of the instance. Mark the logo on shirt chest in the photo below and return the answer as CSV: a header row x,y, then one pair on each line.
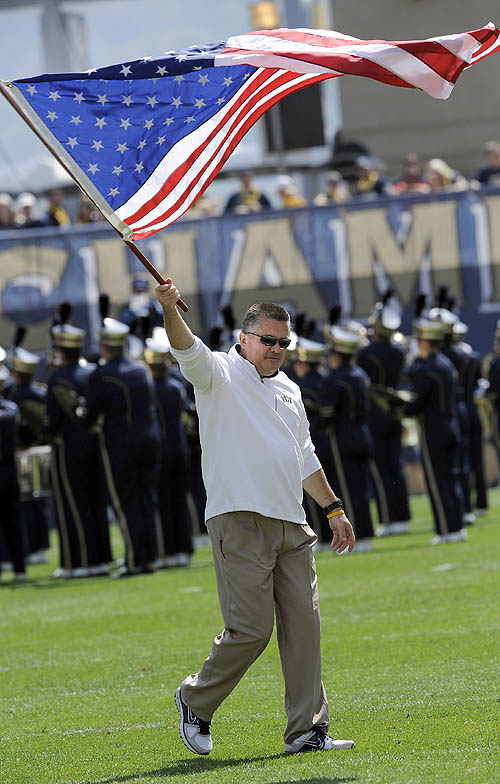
x,y
287,399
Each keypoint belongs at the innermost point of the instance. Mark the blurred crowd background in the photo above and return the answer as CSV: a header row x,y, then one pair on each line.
x,y
357,177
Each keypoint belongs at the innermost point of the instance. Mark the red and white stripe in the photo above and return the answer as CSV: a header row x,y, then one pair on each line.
x,y
288,60
432,65
192,163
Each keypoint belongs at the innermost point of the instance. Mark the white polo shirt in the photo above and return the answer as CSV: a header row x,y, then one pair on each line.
x,y
254,433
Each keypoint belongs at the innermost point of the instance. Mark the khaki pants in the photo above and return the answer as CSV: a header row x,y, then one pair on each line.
x,y
264,566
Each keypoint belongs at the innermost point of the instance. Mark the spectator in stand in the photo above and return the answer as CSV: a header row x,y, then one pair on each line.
x,y
411,179
204,207
6,212
56,214
337,191
441,177
87,212
25,211
370,182
288,192
489,171
248,198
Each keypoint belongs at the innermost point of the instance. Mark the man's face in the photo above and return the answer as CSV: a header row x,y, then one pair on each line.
x,y
267,359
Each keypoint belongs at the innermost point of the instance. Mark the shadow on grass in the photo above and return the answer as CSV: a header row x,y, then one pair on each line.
x,y
204,765
47,581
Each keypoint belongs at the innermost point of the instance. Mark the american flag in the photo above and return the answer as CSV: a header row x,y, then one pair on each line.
x,y
145,138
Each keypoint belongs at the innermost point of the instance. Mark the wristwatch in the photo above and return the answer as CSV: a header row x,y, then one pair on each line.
x,y
332,507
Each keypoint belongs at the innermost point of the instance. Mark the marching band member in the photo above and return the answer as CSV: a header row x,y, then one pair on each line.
x,y
383,360
345,404
175,540
457,356
434,379
77,477
120,399
492,370
306,369
10,525
473,385
31,398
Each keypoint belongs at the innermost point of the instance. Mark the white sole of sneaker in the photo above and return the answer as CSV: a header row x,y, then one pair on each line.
x,y
181,727
336,745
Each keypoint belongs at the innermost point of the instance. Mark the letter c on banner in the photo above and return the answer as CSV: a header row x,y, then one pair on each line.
x,y
29,274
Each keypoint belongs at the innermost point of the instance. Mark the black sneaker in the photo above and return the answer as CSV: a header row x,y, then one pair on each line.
x,y
194,731
316,740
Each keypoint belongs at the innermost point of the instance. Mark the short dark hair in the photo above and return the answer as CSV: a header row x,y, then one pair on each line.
x,y
115,351
263,310
158,369
70,354
24,378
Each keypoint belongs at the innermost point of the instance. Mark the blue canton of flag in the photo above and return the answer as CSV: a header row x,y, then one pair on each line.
x,y
118,128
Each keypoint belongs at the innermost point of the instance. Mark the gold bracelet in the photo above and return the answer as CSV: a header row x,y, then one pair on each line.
x,y
335,513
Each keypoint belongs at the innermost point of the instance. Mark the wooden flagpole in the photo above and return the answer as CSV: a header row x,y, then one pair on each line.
x,y
129,243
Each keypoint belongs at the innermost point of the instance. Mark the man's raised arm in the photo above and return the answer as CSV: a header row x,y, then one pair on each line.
x,y
197,363
179,334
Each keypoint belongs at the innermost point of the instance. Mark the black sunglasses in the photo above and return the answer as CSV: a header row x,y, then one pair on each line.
x,y
268,340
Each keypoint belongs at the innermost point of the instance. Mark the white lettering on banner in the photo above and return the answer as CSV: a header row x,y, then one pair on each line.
x,y
91,282
156,249
112,267
268,259
338,228
37,270
180,251
233,267
181,266
488,238
432,231
273,238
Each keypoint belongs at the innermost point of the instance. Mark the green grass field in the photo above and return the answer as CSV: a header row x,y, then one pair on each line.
x,y
411,641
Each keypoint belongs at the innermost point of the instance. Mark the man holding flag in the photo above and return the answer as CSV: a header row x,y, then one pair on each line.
x,y
257,456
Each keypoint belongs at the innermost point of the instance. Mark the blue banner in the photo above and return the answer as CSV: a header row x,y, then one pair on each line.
x,y
306,259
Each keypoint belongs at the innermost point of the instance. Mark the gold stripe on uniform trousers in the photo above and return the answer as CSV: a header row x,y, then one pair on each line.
x,y
63,528
126,395
350,395
380,367
158,526
73,506
495,433
384,505
441,391
342,480
122,520
159,534
433,488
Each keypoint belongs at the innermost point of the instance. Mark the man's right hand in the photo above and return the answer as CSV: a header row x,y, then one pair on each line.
x,y
167,294
177,330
